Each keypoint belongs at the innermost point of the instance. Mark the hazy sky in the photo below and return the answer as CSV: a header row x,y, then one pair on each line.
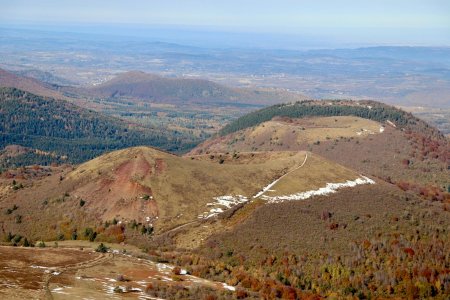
x,y
418,22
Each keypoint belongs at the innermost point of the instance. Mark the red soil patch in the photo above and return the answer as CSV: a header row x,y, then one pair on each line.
x,y
138,166
160,166
122,193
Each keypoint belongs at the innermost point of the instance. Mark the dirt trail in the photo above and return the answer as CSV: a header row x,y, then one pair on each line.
x,y
181,226
142,272
83,265
265,189
268,187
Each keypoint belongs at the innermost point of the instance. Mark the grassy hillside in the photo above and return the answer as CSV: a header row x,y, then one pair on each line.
x,y
284,133
371,110
145,186
410,159
383,141
65,130
322,246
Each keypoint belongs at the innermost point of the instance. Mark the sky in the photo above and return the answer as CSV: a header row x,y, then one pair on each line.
x,y
413,22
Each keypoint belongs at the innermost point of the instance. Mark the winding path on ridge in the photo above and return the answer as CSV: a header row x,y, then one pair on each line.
x,y
259,194
268,187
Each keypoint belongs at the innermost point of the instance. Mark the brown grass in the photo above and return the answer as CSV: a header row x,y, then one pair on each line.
x,y
150,187
290,134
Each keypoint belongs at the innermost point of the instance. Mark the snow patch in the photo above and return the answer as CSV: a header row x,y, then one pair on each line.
x,y
391,123
164,267
183,272
38,267
229,287
364,131
221,204
330,188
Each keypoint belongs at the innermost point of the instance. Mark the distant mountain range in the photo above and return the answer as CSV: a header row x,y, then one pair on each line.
x,y
154,88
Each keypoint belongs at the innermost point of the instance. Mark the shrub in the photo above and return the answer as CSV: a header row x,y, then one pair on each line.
x,y
147,230
17,238
102,248
82,203
10,210
18,219
133,224
9,237
90,234
41,244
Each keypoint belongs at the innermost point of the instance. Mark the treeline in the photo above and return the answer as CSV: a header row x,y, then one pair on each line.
x,y
64,129
30,158
365,109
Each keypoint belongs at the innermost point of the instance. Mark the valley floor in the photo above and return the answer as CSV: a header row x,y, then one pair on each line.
x,y
73,270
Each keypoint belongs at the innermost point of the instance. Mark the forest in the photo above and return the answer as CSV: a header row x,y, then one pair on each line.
x,y
65,130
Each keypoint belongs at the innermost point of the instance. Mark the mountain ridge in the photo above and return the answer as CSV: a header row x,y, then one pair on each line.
x,y
11,80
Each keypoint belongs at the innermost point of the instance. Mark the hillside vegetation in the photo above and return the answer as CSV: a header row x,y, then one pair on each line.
x,y
370,242
405,150
284,133
145,186
371,110
70,133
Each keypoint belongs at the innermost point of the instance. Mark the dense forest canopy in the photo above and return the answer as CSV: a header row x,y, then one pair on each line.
x,y
65,130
